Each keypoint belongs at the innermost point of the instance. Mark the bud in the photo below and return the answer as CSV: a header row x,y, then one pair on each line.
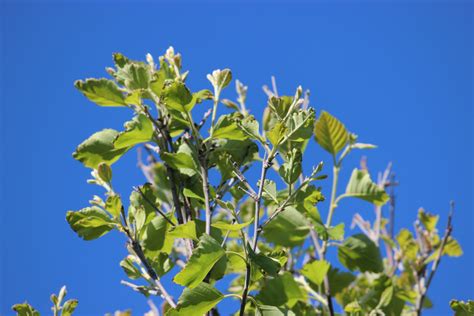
x,y
105,172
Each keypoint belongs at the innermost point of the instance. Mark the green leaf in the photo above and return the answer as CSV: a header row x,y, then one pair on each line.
x,y
338,280
134,75
291,169
290,220
90,222
300,125
428,220
462,308
316,271
408,245
208,252
267,264
113,205
105,172
224,226
336,232
281,290
181,162
138,201
220,78
361,186
130,269
268,310
227,128
178,97
25,309
270,191
196,301
280,106
156,237
358,252
277,133
103,92
138,130
99,148
69,307
250,127
452,249
330,133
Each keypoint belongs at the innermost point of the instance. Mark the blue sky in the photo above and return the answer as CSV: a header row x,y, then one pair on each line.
x,y
399,74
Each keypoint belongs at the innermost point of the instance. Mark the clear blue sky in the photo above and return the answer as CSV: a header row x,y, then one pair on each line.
x,y
399,74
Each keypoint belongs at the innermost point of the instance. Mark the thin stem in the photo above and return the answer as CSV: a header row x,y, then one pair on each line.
x,y
151,272
424,289
267,161
205,188
332,205
137,189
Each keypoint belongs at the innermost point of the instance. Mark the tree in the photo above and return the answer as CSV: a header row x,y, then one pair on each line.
x,y
200,211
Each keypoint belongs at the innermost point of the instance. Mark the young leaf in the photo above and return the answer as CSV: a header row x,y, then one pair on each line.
x,y
277,133
130,269
291,169
361,186
227,128
69,307
268,310
25,309
330,133
103,92
358,252
99,148
196,301
113,205
178,97
208,252
138,130
90,222
316,271
462,308
428,220
270,191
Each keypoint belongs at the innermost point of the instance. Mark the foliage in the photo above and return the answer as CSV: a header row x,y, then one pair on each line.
x,y
267,236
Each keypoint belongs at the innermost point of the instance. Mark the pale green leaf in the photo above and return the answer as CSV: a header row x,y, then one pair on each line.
x,y
69,307
113,205
102,91
316,271
462,308
99,148
361,186
90,222
25,309
138,130
178,97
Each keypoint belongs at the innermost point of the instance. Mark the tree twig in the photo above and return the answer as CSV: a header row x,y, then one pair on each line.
x,y
424,289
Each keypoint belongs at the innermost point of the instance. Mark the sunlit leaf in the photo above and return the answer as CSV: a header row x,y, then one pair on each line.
x,y
208,252
101,91
330,133
90,222
361,186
